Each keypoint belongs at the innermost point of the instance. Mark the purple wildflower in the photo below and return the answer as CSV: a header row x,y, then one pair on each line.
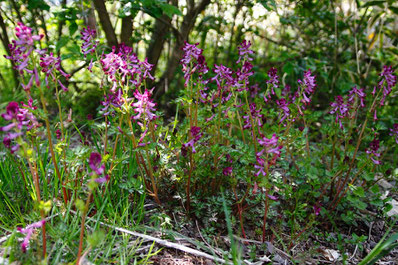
x,y
317,209
285,111
58,134
112,100
270,146
89,44
144,106
260,167
196,135
193,61
372,151
244,51
339,108
97,168
273,77
20,51
356,94
20,118
394,132
227,171
255,114
308,86
49,65
223,74
28,231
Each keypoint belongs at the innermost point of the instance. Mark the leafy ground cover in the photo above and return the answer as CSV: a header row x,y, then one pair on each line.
x,y
242,173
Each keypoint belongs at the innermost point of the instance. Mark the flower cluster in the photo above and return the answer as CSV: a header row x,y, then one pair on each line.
x,y
387,82
28,231
97,168
21,50
308,86
373,151
255,114
284,106
144,107
196,135
193,61
49,64
356,94
270,146
123,66
89,44
394,132
340,108
112,99
20,118
274,81
245,51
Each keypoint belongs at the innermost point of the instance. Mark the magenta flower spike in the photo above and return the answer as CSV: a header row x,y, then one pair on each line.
x,y
270,146
95,163
357,93
49,65
308,86
144,106
196,135
339,108
20,118
373,151
284,106
273,78
245,51
193,61
394,132
28,231
97,168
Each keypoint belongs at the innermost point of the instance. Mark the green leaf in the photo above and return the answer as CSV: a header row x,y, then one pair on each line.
x,y
170,10
96,238
288,68
61,43
393,9
270,5
72,28
38,4
359,191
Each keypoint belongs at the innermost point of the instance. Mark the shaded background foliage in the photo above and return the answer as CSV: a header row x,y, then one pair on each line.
x,y
344,42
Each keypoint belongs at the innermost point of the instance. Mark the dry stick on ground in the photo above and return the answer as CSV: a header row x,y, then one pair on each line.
x,y
163,242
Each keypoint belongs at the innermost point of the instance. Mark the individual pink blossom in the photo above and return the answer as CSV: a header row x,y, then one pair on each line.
x,y
28,231
227,171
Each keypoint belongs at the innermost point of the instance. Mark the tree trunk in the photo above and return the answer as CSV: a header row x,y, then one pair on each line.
x,y
127,30
182,36
105,22
6,42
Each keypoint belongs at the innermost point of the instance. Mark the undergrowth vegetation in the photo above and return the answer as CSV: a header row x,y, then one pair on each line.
x,y
257,160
